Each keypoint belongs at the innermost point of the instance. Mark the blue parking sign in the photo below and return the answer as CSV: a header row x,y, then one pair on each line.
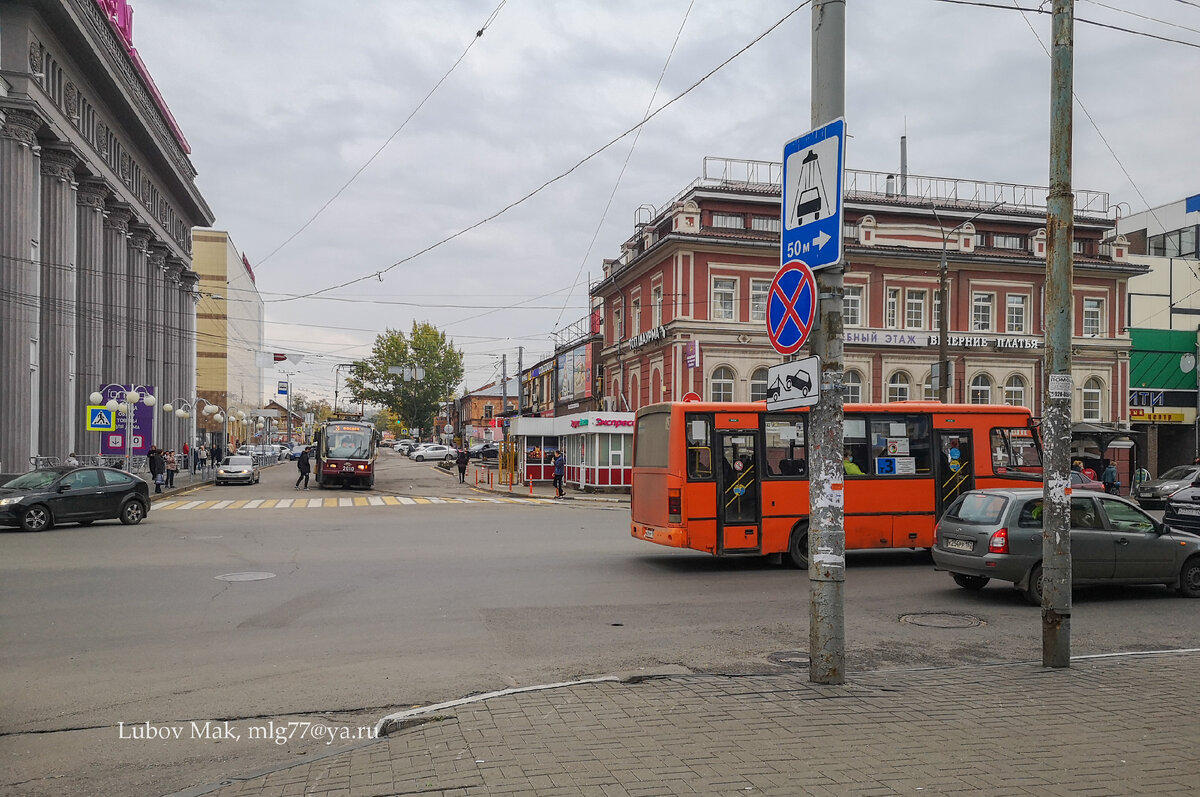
x,y
811,216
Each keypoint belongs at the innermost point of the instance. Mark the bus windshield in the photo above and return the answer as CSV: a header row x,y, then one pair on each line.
x,y
347,441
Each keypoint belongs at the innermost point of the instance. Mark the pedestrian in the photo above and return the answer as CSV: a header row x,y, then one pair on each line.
x,y
462,460
172,468
202,457
1077,466
158,468
1089,473
1109,477
214,456
560,471
72,460
305,468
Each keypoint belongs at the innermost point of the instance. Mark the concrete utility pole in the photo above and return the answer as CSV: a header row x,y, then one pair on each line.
x,y
827,531
503,394
520,372
1056,410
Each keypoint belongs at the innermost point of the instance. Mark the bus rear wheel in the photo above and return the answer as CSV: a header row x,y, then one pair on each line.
x,y
798,546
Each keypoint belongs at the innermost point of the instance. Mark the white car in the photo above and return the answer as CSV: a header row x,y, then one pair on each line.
x,y
433,452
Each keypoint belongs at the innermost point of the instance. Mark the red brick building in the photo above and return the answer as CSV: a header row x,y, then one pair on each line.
x,y
685,304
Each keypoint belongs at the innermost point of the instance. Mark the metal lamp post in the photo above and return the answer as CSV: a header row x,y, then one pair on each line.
x,y
944,302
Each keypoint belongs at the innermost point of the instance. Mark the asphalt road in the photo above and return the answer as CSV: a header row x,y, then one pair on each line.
x,y
374,608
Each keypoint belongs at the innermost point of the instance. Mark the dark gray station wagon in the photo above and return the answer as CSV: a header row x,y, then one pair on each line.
x,y
997,533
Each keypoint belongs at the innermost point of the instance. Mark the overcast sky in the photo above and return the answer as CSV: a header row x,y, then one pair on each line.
x,y
282,102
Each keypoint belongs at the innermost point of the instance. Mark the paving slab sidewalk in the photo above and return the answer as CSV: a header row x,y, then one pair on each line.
x,y
1106,726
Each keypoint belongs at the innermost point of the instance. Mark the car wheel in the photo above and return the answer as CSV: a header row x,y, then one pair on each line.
x,y
1189,578
972,582
1033,590
36,518
798,546
420,458
133,512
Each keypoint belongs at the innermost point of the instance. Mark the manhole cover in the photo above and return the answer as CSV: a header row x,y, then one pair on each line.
x,y
789,658
245,576
941,620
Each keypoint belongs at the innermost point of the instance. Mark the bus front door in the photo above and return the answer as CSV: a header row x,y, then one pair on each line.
x,y
739,530
956,466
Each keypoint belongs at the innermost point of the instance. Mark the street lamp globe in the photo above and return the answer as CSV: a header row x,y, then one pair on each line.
x,y
168,407
211,409
149,400
111,404
219,418
180,413
132,397
96,397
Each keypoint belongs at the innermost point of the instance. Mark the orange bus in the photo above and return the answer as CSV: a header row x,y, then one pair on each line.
x,y
731,479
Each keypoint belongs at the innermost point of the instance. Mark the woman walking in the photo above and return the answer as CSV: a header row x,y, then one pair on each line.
x,y
172,468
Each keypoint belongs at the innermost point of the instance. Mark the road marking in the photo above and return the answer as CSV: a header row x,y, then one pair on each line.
x,y
437,500
360,501
329,502
270,503
255,504
391,500
345,502
375,500
222,504
338,503
165,505
239,504
404,500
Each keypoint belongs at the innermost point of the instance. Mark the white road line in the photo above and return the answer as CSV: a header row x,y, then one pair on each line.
x,y
255,504
166,504
284,503
437,500
191,504
345,502
220,504
315,503
374,500
404,500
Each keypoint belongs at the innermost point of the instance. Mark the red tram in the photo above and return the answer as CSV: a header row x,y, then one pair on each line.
x,y
346,453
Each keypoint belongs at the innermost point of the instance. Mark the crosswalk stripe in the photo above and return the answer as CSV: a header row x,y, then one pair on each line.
x,y
238,504
255,504
345,502
271,503
391,500
405,500
161,505
222,504
360,501
375,500
176,505
314,503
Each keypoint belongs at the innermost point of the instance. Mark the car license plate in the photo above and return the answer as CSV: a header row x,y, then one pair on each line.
x,y
959,545
1188,510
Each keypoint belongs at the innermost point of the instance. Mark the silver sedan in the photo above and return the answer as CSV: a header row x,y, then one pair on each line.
x,y
238,469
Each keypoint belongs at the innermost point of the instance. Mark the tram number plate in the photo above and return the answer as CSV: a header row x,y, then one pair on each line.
x,y
347,468
959,545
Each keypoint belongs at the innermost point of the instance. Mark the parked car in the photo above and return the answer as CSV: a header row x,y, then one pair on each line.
x,y
997,533
404,446
482,451
42,498
295,451
1081,482
413,451
434,452
1153,493
1183,508
238,470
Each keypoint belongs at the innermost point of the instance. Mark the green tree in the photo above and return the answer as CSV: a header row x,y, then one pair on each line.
x,y
321,409
414,401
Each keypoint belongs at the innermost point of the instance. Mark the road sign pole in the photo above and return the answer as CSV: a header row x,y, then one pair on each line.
x,y
827,534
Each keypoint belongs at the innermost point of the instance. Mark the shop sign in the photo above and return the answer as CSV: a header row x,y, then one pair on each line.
x,y
1162,398
1149,416
649,336
600,422
896,337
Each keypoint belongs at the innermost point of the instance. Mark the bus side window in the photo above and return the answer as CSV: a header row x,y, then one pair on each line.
x,y
699,447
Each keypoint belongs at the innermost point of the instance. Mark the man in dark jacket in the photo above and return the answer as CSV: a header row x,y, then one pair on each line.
x,y
305,468
560,472
462,460
158,467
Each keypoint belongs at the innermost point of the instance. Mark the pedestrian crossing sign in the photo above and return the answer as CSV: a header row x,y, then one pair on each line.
x,y
101,419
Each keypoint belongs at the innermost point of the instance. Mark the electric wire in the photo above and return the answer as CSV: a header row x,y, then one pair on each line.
x,y
478,35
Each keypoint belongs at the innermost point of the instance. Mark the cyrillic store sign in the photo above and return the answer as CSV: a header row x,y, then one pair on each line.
x,y
921,340
649,336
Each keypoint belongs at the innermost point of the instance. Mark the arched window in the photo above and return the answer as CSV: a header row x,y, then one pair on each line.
x,y
633,394
721,385
758,384
898,386
1014,391
930,393
1093,393
853,387
981,389
656,386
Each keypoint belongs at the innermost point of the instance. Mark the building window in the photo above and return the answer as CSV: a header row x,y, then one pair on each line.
x,y
981,312
487,412
980,240
937,310
850,230
635,317
765,223
721,384
724,296
853,381
656,297
1015,317
898,386
1179,243
1014,391
1093,392
1002,241
914,309
981,389
852,306
892,321
1078,247
759,289
758,384
618,329
930,393
729,221
1093,317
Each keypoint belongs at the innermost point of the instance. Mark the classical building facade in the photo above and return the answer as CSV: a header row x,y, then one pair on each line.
x,y
97,203
229,329
685,305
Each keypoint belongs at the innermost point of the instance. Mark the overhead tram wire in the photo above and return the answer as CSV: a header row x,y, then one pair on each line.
x,y
1142,16
628,155
1013,7
478,35
379,274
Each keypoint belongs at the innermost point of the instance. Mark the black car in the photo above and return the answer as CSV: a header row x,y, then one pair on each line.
x,y
488,450
38,500
1183,508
